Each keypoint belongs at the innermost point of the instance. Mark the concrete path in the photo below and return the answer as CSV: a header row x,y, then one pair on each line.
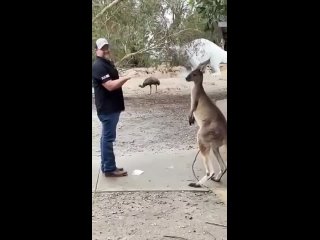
x,y
169,171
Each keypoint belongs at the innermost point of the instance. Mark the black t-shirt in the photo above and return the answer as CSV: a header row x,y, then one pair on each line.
x,y
106,101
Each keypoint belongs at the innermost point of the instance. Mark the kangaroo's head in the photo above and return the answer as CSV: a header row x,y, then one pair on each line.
x,y
197,74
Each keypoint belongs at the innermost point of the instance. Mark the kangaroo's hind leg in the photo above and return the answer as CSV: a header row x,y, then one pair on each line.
x,y
221,163
204,151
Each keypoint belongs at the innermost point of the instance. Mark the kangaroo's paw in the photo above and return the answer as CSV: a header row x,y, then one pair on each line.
x,y
195,185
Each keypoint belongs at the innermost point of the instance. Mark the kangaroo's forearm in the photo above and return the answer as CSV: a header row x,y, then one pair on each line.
x,y
194,106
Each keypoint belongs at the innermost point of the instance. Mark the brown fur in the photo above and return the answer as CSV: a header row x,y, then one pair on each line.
x,y
212,124
150,81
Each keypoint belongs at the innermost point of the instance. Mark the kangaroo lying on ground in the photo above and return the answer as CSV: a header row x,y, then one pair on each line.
x,y
212,124
199,50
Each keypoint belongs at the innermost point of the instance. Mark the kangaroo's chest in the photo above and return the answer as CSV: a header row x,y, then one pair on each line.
x,y
199,113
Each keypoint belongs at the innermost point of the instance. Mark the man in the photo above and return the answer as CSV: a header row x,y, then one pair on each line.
x,y
109,104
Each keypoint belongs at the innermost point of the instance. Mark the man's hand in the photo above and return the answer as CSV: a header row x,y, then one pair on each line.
x,y
116,84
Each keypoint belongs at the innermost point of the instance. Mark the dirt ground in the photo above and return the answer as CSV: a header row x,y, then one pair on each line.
x,y
155,215
158,123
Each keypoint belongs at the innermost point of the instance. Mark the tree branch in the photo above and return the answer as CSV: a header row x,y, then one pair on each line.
x,y
106,8
216,224
162,42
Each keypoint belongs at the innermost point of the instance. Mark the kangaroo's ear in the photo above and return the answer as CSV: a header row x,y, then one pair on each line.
x,y
202,66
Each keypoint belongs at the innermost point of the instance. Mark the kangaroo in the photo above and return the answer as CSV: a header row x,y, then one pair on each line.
x,y
212,132
193,53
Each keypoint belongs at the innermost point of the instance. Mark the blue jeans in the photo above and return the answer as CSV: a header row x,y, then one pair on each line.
x,y
108,136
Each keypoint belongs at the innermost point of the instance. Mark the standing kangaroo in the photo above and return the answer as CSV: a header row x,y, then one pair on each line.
x,y
212,124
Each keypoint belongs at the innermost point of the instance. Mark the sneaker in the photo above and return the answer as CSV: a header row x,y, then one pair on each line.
x,y
116,173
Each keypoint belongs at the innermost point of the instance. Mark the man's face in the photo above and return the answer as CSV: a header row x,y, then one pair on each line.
x,y
105,51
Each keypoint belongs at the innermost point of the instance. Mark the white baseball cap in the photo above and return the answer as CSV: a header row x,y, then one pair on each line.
x,y
101,42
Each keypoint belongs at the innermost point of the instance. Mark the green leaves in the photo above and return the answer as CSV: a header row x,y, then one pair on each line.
x,y
140,31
